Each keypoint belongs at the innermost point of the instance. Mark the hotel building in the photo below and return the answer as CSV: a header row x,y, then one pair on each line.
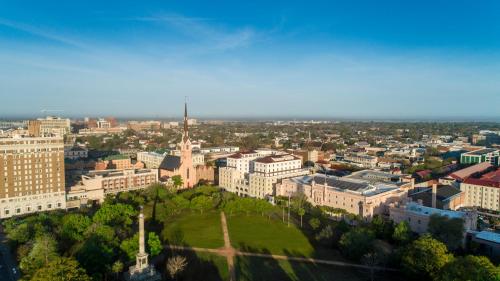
x,y
32,175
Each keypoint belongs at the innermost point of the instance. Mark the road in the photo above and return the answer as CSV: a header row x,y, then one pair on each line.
x,y
7,262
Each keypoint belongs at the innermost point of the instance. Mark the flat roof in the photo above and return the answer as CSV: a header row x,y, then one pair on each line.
x,y
346,184
489,236
423,210
481,151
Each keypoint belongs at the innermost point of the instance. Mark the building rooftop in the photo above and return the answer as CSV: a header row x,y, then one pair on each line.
x,y
491,179
277,158
375,176
489,236
170,163
481,151
428,211
469,171
347,184
116,157
444,193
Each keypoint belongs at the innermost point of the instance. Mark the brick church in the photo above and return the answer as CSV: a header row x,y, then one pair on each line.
x,y
181,165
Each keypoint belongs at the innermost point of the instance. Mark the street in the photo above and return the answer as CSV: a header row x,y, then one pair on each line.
x,y
7,262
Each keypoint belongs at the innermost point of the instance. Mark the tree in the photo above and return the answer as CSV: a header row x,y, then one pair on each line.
x,y
470,268
402,232
447,230
115,214
383,229
154,244
20,233
44,251
117,268
130,246
357,242
61,269
315,223
301,212
201,203
175,265
425,257
74,226
178,182
325,235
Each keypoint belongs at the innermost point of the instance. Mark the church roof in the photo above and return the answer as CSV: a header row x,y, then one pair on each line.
x,y
171,163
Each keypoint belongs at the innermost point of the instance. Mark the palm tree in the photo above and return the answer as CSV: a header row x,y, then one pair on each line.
x,y
117,268
301,213
176,265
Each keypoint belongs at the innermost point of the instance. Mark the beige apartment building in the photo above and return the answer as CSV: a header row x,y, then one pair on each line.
x,y
96,185
32,175
483,192
49,126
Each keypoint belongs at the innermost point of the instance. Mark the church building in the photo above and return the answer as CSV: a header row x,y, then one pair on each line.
x,y
181,165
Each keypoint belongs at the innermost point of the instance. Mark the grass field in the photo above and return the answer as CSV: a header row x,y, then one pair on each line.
x,y
195,229
251,268
256,233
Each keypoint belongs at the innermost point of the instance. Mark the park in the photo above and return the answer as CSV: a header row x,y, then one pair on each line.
x,y
208,234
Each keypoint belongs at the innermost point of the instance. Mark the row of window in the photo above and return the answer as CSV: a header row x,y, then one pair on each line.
x,y
28,209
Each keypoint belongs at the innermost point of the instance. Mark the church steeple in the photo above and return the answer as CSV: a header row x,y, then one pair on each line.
x,y
185,134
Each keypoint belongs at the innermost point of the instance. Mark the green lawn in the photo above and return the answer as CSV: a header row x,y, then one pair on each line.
x,y
252,268
195,229
206,267
255,233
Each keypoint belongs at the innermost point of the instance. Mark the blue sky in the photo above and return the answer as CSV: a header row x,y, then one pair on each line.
x,y
353,59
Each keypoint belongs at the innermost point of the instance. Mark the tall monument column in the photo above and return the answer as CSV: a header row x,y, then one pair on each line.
x,y
142,271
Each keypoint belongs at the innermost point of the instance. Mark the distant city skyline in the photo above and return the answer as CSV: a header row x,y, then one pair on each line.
x,y
423,60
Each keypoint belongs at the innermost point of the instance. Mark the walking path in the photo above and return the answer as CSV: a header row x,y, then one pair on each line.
x,y
229,252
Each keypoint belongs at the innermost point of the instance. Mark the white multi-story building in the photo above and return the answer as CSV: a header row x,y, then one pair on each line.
x,y
256,173
31,175
151,160
365,161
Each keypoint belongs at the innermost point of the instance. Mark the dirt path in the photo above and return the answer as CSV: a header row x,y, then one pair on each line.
x,y
228,249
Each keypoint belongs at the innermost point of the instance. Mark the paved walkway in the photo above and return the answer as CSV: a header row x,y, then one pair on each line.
x,y
228,249
229,252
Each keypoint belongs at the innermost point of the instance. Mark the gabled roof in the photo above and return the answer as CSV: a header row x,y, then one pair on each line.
x,y
171,163
469,171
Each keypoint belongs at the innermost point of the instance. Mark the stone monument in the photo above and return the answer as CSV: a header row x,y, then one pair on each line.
x,y
142,271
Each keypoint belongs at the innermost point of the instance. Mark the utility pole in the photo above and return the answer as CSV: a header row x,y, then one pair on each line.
x,y
289,210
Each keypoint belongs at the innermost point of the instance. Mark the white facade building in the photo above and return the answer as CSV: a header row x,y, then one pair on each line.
x,y
256,173
151,160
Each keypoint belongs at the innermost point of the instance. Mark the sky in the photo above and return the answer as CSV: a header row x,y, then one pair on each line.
x,y
255,59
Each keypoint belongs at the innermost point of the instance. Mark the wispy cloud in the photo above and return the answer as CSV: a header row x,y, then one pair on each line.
x,y
43,33
202,30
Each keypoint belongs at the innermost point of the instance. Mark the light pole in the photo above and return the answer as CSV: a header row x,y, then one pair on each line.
x,y
288,209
